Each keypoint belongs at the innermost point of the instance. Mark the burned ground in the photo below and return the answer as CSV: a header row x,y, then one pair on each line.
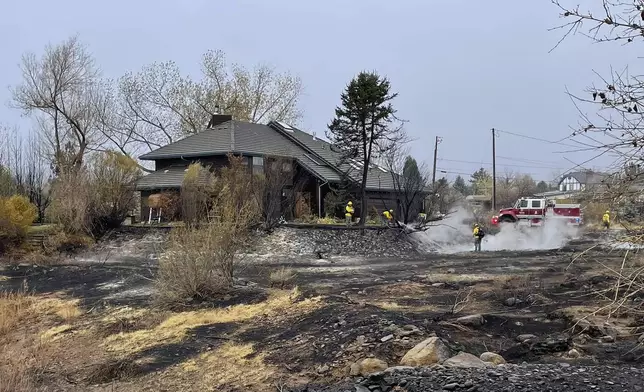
x,y
343,309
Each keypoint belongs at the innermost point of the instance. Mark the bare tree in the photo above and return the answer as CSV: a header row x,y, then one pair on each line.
x,y
255,95
62,89
28,169
410,180
158,105
615,128
279,173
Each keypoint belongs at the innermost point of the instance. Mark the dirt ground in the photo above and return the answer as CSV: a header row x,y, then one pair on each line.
x,y
92,325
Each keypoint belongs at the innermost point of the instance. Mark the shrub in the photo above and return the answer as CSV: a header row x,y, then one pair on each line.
x,y
112,178
16,215
62,242
199,259
96,198
282,277
70,202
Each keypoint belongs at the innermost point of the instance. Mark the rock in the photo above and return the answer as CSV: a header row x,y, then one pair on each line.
x,y
361,340
386,338
395,369
512,301
323,369
360,388
451,271
368,366
407,330
354,370
428,352
525,337
475,320
438,284
450,387
641,339
492,358
465,361
573,354
607,339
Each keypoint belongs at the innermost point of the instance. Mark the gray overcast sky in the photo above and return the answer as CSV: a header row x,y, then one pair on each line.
x,y
461,67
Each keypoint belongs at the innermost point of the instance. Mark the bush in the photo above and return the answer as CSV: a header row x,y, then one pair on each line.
x,y
70,202
16,215
282,277
94,199
62,242
199,259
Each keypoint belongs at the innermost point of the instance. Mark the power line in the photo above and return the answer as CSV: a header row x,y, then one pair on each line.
x,y
455,171
501,164
536,139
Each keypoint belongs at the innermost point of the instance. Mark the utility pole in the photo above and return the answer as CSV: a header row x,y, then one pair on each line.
x,y
438,140
493,170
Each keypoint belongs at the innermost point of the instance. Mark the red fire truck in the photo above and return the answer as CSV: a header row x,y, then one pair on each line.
x,y
535,211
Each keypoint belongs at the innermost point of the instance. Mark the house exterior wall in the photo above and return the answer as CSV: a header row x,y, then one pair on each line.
x,y
569,183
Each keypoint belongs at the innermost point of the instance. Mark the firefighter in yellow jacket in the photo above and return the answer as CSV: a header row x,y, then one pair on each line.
x,y
478,236
606,220
348,213
388,217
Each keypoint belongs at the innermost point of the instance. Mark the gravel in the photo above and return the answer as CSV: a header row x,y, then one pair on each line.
x,y
322,243
503,378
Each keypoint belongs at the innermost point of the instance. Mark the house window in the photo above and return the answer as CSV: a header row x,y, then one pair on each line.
x,y
287,167
258,165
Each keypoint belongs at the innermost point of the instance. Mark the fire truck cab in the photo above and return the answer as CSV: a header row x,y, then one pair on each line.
x,y
534,211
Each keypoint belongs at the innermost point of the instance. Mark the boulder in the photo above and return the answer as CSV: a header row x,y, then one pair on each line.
x,y
368,366
428,352
492,358
465,361
574,354
475,320
512,301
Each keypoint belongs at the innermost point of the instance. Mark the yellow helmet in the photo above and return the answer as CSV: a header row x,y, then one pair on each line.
x,y
608,212
350,203
476,225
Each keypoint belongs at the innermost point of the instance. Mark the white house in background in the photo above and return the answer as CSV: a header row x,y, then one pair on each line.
x,y
579,181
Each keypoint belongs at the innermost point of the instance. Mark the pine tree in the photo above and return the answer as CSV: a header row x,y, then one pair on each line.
x,y
460,186
365,124
542,186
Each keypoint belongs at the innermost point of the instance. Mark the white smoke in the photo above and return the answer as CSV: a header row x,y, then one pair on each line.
x,y
454,234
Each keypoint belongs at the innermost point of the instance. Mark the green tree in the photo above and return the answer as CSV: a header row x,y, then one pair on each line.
x,y
542,186
481,182
365,124
410,168
460,186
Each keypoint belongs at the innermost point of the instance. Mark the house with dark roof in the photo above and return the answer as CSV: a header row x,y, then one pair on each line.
x,y
581,180
317,164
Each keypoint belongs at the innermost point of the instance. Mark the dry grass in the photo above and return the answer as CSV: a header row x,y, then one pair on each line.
x,y
232,365
14,377
394,306
282,277
65,309
175,328
14,307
